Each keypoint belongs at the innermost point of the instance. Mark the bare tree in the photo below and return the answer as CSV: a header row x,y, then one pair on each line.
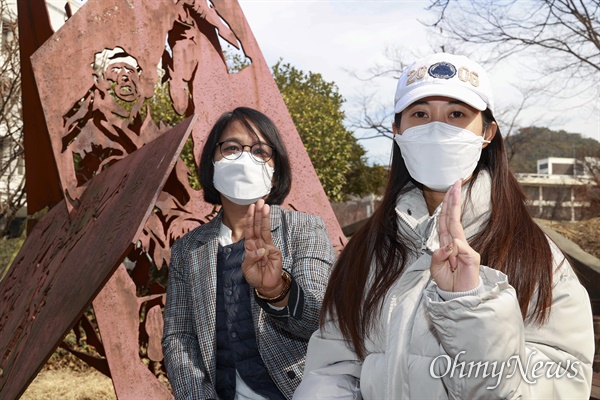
x,y
509,121
591,192
559,41
12,165
375,120
560,37
371,118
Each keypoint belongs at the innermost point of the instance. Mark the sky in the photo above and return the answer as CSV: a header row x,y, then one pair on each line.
x,y
337,37
343,38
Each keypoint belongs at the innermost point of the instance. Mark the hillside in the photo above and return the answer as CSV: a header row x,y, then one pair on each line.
x,y
534,143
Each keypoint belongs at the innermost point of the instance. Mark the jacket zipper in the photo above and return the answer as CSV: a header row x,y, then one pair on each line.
x,y
423,245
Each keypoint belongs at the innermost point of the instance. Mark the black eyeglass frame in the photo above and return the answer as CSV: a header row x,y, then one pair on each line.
x,y
243,146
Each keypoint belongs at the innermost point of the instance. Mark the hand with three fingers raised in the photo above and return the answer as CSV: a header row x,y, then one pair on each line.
x,y
455,265
262,265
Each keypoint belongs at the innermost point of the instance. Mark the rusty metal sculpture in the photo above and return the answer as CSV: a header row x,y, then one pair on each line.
x,y
41,297
97,117
42,181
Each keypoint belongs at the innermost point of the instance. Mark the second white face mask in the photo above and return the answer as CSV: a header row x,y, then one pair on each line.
x,y
243,181
437,154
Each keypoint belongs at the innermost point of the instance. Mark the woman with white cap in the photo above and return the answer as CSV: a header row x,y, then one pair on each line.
x,y
450,289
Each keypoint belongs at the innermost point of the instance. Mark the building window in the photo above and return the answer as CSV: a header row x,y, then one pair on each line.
x,y
562,169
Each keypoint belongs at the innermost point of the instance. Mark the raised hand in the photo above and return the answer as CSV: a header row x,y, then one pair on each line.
x,y
262,266
455,265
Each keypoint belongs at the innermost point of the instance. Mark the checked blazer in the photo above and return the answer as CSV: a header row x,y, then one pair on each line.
x,y
189,339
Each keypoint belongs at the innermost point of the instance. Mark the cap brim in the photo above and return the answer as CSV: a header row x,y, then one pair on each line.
x,y
456,92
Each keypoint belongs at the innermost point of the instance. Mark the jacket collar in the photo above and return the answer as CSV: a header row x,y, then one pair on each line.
x,y
416,223
210,230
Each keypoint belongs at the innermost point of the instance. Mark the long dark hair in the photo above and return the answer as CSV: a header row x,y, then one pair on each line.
x,y
510,242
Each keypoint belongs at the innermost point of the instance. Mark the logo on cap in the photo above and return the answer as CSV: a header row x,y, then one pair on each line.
x,y
442,70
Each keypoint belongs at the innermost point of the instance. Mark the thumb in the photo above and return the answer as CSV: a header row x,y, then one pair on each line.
x,y
252,256
441,256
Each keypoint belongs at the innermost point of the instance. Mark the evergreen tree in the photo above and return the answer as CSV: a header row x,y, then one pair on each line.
x,y
316,109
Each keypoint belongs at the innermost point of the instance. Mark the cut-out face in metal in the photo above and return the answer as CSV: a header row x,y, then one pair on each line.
x,y
105,124
95,116
126,80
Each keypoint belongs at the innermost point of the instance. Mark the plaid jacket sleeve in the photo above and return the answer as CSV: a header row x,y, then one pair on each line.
x,y
185,368
283,336
308,256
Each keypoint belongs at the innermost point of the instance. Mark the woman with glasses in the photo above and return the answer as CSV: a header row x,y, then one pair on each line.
x,y
450,290
245,289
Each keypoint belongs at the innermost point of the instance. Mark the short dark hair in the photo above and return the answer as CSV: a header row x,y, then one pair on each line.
x,y
253,120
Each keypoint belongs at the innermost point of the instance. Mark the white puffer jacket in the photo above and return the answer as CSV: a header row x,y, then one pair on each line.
x,y
475,346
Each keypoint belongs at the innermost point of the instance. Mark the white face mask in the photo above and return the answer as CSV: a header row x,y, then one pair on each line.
x,y
243,181
437,154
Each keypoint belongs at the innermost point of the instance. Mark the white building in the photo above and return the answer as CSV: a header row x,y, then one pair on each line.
x,y
556,191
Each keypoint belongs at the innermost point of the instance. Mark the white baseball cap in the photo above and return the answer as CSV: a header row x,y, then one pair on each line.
x,y
448,75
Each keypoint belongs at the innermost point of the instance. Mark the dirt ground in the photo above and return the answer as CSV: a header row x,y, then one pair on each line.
x,y
65,377
586,234
65,384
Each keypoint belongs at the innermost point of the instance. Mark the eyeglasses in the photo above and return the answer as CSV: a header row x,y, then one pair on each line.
x,y
232,150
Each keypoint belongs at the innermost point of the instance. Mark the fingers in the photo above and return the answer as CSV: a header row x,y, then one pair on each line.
x,y
450,216
259,244
453,260
462,256
446,256
455,267
441,256
466,254
249,229
440,272
467,275
253,256
258,218
258,231
453,218
266,225
445,238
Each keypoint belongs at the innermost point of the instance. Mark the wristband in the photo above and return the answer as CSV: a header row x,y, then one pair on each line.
x,y
287,284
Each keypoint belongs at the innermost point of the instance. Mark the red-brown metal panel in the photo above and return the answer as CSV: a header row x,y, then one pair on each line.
x,y
195,66
67,258
109,53
41,176
117,310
